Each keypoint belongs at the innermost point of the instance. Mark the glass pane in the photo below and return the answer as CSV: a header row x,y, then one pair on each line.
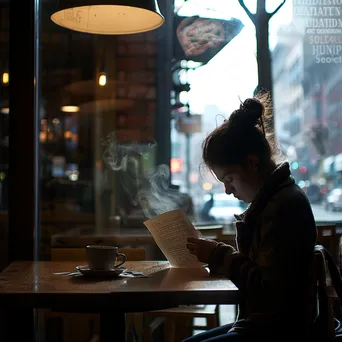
x,y
4,131
218,77
123,117
98,133
307,76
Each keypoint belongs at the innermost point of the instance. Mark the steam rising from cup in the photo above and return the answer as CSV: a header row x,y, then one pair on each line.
x,y
152,192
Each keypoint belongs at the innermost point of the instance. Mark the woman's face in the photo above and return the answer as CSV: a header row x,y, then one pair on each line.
x,y
241,181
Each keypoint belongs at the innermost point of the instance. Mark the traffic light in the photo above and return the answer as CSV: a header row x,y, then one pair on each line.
x,y
180,89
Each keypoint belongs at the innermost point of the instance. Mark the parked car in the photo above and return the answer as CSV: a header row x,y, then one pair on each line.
x,y
225,206
333,200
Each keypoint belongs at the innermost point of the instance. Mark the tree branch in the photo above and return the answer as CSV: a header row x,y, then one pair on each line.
x,y
270,15
249,13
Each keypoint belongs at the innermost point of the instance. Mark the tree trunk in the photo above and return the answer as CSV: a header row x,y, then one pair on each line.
x,y
260,20
263,56
265,81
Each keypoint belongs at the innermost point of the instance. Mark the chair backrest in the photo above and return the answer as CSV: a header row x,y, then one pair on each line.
x,y
326,236
79,254
326,277
210,231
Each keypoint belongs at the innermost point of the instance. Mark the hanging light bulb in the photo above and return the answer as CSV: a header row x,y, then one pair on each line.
x,y
108,16
5,78
102,79
70,109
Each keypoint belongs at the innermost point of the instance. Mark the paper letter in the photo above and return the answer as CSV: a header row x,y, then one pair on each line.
x,y
170,231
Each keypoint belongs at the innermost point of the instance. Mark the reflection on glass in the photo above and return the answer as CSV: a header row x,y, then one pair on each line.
x,y
98,130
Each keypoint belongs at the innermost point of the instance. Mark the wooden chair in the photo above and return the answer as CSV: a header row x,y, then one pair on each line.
x,y
211,231
326,236
85,327
179,321
325,281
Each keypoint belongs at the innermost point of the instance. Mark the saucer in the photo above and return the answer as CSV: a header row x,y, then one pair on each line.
x,y
111,273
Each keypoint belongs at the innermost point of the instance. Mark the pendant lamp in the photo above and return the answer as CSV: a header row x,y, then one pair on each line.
x,y
108,16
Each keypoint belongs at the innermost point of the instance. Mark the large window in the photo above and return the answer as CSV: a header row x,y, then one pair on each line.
x,y
104,128
306,71
122,117
307,57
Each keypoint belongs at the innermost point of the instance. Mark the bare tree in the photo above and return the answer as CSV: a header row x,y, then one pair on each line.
x,y
261,20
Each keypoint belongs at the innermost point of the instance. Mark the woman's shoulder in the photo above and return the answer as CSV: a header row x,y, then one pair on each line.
x,y
292,194
289,200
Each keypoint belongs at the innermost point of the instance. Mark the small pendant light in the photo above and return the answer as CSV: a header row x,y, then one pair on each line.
x,y
108,16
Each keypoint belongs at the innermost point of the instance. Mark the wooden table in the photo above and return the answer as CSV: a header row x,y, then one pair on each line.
x,y
29,285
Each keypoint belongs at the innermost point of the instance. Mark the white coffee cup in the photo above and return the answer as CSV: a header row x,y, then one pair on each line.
x,y
103,257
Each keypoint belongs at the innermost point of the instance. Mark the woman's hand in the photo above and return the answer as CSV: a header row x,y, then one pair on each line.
x,y
202,248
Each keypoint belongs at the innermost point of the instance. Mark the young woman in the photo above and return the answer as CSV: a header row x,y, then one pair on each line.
x,y
275,236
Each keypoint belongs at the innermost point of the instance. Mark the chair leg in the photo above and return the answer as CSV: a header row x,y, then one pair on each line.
x,y
54,329
212,322
217,315
151,328
95,338
183,328
134,326
41,322
169,330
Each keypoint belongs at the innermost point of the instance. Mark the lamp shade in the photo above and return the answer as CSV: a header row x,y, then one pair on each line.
x,y
108,16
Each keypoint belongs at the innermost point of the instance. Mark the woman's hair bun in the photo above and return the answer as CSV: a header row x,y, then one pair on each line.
x,y
250,114
254,106
251,110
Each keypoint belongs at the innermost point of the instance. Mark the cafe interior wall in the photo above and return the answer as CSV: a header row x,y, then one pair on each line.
x,y
141,62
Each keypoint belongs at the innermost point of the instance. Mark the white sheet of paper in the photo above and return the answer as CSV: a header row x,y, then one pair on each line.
x,y
170,231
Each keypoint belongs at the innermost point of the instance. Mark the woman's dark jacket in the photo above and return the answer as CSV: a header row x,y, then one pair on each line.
x,y
275,240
